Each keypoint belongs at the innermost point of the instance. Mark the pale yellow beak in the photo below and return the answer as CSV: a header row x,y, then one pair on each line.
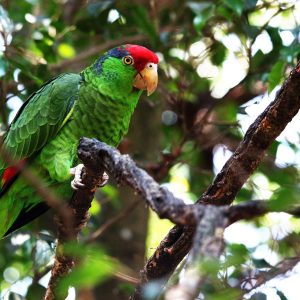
x,y
147,79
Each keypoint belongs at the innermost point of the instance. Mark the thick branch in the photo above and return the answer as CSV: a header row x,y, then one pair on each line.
x,y
95,154
266,128
236,171
208,246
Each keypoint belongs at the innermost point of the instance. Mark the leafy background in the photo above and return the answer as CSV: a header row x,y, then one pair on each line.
x,y
221,63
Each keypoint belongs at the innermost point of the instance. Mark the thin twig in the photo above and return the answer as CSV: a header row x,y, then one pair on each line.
x,y
94,51
281,268
124,213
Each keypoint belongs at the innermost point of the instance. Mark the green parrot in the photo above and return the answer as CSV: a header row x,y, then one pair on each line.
x,y
44,135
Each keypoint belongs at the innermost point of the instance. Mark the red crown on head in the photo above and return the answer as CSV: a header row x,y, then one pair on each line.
x,y
141,56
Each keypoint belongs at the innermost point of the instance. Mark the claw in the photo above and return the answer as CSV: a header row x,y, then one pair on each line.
x,y
77,183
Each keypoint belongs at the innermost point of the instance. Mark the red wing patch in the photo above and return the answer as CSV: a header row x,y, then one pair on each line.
x,y
11,172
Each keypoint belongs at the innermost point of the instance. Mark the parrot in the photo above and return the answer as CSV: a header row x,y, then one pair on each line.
x,y
96,103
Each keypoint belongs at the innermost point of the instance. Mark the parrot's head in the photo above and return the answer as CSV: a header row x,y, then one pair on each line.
x,y
126,69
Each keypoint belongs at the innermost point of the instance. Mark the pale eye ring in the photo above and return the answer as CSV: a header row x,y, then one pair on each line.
x,y
127,60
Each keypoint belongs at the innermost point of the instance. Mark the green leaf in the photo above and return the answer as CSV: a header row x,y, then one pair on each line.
x,y
281,295
14,296
218,53
259,296
66,51
236,5
35,291
3,66
260,263
143,22
276,75
290,52
94,267
275,38
238,254
210,266
284,198
259,60
224,11
243,195
201,19
224,294
273,148
227,111
250,4
250,30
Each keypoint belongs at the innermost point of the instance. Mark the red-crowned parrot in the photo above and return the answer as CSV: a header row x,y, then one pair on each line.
x,y
98,103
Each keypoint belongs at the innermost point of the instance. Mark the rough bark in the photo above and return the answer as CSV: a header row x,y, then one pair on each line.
x,y
210,220
78,208
234,174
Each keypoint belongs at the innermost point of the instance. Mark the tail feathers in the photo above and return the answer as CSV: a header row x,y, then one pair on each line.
x,y
27,216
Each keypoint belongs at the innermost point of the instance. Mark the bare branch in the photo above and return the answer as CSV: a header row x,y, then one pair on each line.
x,y
211,219
234,174
279,269
208,245
79,206
95,235
121,167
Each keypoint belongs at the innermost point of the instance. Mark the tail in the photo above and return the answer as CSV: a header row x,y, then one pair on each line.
x,y
8,176
27,216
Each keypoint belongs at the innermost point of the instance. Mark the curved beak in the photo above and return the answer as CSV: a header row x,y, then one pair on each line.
x,y
147,79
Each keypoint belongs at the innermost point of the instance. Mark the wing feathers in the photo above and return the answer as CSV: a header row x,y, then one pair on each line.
x,y
42,116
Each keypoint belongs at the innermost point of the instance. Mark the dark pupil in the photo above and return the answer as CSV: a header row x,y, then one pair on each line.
x,y
128,60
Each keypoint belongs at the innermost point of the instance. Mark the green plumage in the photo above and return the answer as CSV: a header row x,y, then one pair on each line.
x,y
97,103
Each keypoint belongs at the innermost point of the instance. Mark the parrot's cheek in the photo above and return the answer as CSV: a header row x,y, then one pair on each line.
x,y
147,79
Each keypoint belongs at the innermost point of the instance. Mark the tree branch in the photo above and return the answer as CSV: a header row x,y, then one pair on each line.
x,y
234,174
124,213
97,156
93,154
209,220
280,268
207,247
96,50
79,206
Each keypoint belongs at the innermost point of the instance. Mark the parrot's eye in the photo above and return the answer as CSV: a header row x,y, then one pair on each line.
x,y
127,60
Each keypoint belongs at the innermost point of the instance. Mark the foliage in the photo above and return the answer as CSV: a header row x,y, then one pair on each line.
x,y
215,56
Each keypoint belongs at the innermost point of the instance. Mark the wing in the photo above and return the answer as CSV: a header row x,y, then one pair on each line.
x,y
41,116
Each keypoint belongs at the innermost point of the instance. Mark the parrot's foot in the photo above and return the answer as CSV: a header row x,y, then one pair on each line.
x,y
77,183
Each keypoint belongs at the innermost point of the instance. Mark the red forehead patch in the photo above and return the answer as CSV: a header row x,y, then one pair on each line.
x,y
141,56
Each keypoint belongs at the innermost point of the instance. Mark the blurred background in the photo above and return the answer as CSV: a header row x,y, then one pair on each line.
x,y
221,63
